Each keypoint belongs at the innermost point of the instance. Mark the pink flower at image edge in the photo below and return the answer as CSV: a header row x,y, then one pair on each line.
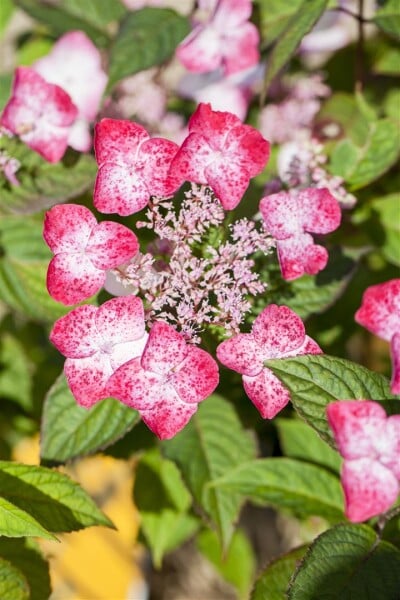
x,y
369,442
380,314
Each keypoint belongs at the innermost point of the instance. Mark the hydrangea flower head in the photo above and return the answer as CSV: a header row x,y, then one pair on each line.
x,y
276,333
40,113
167,382
222,152
84,250
73,62
290,217
132,167
225,39
369,442
96,341
380,314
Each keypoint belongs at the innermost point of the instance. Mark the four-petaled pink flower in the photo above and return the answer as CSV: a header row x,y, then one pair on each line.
x,y
40,113
132,167
380,314
290,217
96,341
167,382
226,39
277,333
84,250
74,64
369,442
222,152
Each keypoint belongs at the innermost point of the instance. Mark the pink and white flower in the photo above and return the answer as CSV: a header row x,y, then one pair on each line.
x,y
83,251
132,167
380,314
276,333
225,38
222,152
96,341
40,113
369,442
290,217
167,382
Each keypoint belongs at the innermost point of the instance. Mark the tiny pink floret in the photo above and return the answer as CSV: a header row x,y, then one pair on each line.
x,y
96,341
83,251
226,39
222,152
369,442
40,113
132,167
380,314
290,217
276,333
167,382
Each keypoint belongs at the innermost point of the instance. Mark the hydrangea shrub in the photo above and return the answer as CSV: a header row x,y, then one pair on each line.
x,y
200,256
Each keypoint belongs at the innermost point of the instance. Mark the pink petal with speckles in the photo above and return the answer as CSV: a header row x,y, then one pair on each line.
x,y
191,160
197,376
231,13
380,309
200,51
248,147
241,49
280,214
227,181
395,352
213,125
390,447
279,331
310,346
75,335
72,277
370,489
319,210
165,349
355,424
266,392
111,244
118,189
169,417
118,141
67,227
40,113
156,155
299,255
135,387
87,378
241,353
121,320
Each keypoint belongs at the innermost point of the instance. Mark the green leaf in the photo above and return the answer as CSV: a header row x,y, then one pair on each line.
x,y
43,184
275,16
32,50
15,522
13,585
368,163
163,501
342,110
7,9
5,89
346,562
391,103
50,497
388,18
91,16
316,380
314,294
298,440
212,444
387,209
300,487
27,558
237,566
388,63
273,581
302,21
69,430
146,38
15,372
